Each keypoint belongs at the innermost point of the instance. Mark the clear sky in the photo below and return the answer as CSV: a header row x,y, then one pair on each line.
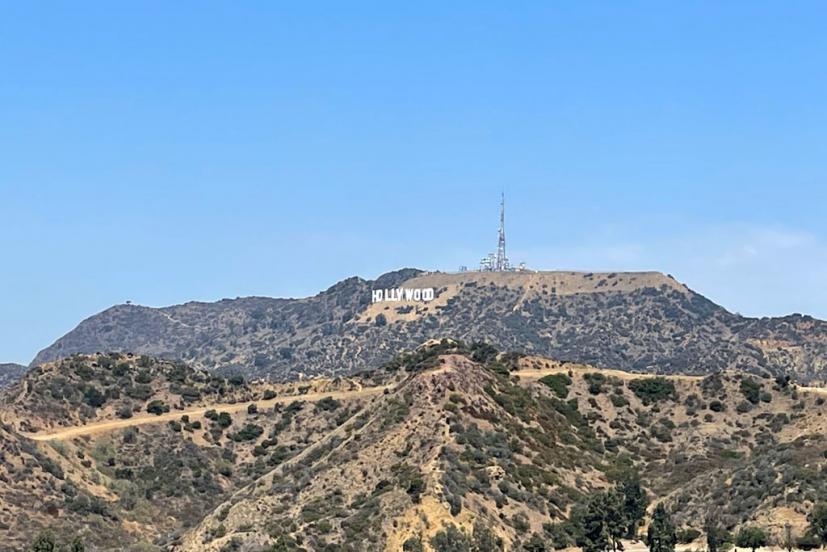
x,y
161,152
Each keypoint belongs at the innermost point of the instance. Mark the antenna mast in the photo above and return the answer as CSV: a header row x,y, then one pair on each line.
x,y
501,261
498,262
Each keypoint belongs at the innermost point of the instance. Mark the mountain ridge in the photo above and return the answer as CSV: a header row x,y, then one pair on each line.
x,y
10,372
637,321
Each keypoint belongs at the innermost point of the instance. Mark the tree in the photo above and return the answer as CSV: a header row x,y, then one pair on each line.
x,y
93,397
635,502
77,545
714,535
451,539
751,537
224,420
818,522
593,534
534,544
807,541
286,543
413,544
44,543
483,539
157,407
661,536
617,522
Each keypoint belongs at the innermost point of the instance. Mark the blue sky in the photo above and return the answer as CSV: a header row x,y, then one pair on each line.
x,y
161,153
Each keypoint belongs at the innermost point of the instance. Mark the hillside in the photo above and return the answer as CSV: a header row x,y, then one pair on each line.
x,y
10,373
460,444
645,322
504,445
168,464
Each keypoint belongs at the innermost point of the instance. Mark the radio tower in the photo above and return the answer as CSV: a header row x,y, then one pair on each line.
x,y
501,261
498,262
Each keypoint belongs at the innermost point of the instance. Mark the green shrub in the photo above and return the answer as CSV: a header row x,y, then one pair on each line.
x,y
139,392
618,401
224,420
143,377
751,390
744,407
157,407
650,390
249,432
662,433
687,535
451,539
751,537
327,404
596,382
93,397
413,544
558,383
808,541
717,406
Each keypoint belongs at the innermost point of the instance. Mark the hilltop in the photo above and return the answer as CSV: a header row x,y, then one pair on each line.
x,y
646,322
508,445
10,373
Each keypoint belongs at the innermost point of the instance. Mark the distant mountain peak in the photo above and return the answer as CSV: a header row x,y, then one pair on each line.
x,y
10,373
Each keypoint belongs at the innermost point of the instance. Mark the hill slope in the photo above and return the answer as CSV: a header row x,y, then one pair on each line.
x,y
459,443
10,373
147,480
463,437
631,321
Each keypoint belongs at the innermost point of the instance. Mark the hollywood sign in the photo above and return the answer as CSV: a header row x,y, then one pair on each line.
x,y
403,294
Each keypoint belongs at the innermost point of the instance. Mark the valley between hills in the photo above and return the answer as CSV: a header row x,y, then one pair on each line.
x,y
447,447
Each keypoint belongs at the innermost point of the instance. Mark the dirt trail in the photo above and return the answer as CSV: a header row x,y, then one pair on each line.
x,y
536,373
145,419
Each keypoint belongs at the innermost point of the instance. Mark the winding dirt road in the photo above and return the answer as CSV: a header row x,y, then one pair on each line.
x,y
146,419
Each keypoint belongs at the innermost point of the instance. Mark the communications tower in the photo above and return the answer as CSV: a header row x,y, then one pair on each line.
x,y
498,262
501,260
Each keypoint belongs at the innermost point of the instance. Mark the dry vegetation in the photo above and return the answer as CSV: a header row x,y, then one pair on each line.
x,y
140,486
467,443
631,321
